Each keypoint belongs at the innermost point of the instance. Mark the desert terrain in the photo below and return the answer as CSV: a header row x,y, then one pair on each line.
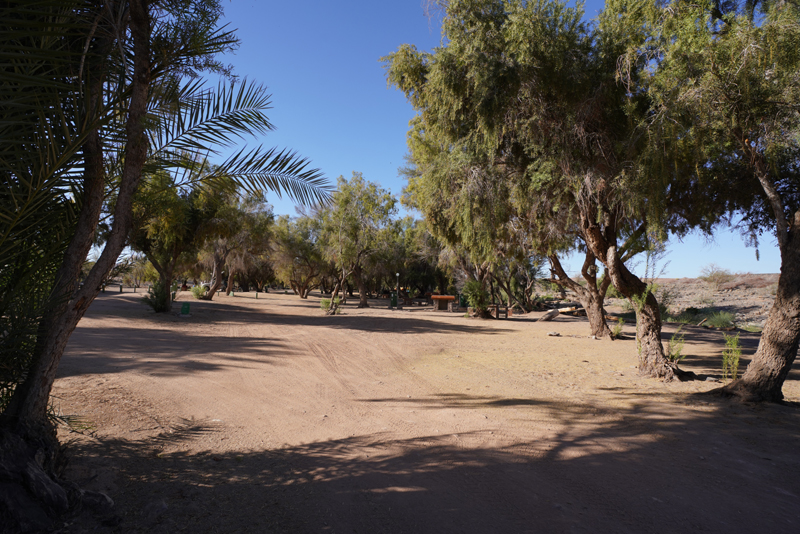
x,y
265,415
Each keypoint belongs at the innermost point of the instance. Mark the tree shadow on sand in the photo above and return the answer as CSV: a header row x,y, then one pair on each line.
x,y
686,464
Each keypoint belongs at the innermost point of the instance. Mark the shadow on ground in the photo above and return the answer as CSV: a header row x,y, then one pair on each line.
x,y
686,464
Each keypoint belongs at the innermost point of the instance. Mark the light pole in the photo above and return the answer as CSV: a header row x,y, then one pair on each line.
x,y
399,305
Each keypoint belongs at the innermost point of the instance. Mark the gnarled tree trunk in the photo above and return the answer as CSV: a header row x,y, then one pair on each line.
x,y
591,296
764,377
602,241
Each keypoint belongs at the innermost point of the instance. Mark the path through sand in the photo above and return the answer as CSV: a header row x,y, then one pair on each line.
x,y
263,415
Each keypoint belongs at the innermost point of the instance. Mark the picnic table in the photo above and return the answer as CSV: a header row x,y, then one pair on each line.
x,y
440,301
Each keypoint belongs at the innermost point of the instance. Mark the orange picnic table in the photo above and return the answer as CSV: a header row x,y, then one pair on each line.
x,y
440,302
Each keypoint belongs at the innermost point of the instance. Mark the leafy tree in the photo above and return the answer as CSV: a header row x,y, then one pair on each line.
x,y
724,84
168,227
240,228
521,119
298,259
353,229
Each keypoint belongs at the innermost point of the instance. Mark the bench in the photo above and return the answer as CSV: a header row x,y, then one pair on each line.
x,y
440,302
497,310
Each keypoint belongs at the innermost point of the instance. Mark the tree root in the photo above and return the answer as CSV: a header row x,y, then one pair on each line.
x,y
741,391
32,496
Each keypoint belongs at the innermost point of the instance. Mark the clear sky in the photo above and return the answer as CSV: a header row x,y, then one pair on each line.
x,y
321,62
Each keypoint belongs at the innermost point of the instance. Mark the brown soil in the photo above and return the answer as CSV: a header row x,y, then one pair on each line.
x,y
264,415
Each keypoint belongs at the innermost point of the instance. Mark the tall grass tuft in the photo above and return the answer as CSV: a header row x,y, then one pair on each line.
x,y
730,357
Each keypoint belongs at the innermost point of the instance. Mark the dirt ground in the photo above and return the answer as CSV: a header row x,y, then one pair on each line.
x,y
264,415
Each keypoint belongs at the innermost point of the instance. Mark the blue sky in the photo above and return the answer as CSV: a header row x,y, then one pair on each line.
x,y
321,62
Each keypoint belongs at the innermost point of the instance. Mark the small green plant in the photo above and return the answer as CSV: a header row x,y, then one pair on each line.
x,y
675,347
158,298
476,296
715,276
198,292
616,332
325,304
721,319
730,357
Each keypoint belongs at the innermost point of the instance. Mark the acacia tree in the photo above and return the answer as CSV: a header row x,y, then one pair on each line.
x,y
240,226
352,228
297,255
725,87
168,228
523,98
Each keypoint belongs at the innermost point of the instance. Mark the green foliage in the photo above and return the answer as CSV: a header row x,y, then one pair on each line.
x,y
730,357
673,352
325,304
721,319
158,298
198,292
476,296
297,253
357,226
616,331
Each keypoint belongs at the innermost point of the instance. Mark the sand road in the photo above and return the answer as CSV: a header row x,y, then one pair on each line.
x,y
264,415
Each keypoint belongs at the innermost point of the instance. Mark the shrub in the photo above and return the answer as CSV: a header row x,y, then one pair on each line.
x,y
675,347
715,276
720,319
325,304
477,297
616,332
198,292
158,298
730,357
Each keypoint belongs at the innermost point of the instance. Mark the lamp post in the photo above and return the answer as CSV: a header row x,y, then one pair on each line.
x,y
399,305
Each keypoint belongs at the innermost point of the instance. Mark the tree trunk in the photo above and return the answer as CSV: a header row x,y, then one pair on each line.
x,y
764,377
231,274
29,403
591,297
304,289
652,361
334,305
216,277
602,243
362,288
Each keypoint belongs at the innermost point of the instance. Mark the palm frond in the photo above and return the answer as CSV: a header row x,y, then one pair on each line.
x,y
203,121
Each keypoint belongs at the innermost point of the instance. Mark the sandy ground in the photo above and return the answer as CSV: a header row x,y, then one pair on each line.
x,y
264,415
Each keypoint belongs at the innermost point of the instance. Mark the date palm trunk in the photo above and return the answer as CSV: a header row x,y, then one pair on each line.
x,y
29,403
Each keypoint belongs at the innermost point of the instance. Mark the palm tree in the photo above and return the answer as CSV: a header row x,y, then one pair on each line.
x,y
94,95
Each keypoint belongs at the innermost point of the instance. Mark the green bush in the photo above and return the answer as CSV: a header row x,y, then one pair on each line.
x,y
675,347
158,298
730,357
721,319
325,304
616,332
477,297
198,292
